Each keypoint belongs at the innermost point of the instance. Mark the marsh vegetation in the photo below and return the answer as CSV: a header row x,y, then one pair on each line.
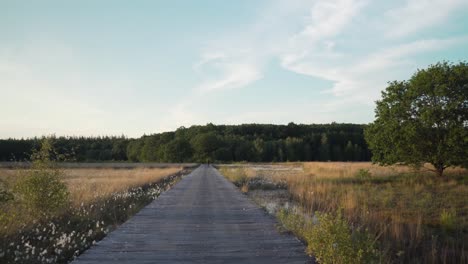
x,y
364,213
50,214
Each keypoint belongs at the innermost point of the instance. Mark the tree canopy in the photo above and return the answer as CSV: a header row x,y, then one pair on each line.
x,y
212,143
424,119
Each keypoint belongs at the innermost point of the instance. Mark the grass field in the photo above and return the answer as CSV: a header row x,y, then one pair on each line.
x,y
410,215
99,199
88,184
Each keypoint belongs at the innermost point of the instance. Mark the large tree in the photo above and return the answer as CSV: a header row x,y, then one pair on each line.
x,y
424,119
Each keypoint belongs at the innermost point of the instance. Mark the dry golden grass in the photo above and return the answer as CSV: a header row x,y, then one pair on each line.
x,y
87,184
100,200
349,169
412,211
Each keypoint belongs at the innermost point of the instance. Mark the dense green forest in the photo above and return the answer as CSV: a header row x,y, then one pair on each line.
x,y
211,143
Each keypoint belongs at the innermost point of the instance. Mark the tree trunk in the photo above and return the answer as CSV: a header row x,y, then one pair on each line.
x,y
440,169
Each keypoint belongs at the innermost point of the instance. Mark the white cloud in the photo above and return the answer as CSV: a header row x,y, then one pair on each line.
x,y
237,62
318,47
233,75
364,78
239,58
328,18
230,66
417,15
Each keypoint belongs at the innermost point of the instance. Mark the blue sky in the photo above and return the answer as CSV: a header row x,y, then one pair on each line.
x,y
135,67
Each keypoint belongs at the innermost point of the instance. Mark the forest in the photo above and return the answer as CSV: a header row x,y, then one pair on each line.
x,y
210,143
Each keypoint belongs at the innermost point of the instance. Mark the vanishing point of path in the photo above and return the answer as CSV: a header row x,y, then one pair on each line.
x,y
202,219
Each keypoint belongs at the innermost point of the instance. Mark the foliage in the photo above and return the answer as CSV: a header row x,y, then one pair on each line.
x,y
205,144
178,150
448,220
60,238
225,143
42,192
418,219
237,176
363,175
424,119
5,194
330,238
41,189
333,241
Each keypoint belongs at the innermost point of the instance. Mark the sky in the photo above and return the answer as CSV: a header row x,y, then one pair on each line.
x,y
89,68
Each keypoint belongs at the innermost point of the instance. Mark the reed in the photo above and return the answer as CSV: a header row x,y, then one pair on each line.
x,y
415,216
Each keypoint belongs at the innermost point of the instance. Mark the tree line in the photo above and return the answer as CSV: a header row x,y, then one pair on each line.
x,y
211,143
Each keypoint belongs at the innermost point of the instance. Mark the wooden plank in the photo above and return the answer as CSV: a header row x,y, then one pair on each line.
x,y
203,219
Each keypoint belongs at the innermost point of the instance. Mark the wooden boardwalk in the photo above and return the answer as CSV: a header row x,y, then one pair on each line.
x,y
202,219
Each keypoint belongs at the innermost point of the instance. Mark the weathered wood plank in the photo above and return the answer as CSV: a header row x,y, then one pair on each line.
x,y
203,219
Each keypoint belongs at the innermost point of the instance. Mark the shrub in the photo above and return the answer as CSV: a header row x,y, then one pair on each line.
x,y
293,222
5,194
237,176
448,219
264,183
363,175
331,239
240,178
40,189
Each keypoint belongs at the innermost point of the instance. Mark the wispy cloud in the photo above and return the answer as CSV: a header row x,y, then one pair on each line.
x,y
326,20
54,79
363,78
417,15
239,61
232,73
318,47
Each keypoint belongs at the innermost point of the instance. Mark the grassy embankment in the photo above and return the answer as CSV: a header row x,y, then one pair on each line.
x,y
359,212
98,200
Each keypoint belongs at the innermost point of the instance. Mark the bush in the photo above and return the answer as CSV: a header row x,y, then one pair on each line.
x,y
237,176
295,223
264,183
363,175
448,220
5,194
333,241
240,177
330,239
42,192
40,189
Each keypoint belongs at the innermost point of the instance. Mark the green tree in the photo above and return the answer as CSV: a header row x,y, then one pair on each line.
x,y
424,119
232,143
244,150
349,152
41,189
151,148
337,153
177,150
324,151
204,145
134,149
119,149
259,145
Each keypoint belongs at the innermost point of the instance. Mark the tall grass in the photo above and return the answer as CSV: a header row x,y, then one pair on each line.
x,y
90,184
416,217
100,199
